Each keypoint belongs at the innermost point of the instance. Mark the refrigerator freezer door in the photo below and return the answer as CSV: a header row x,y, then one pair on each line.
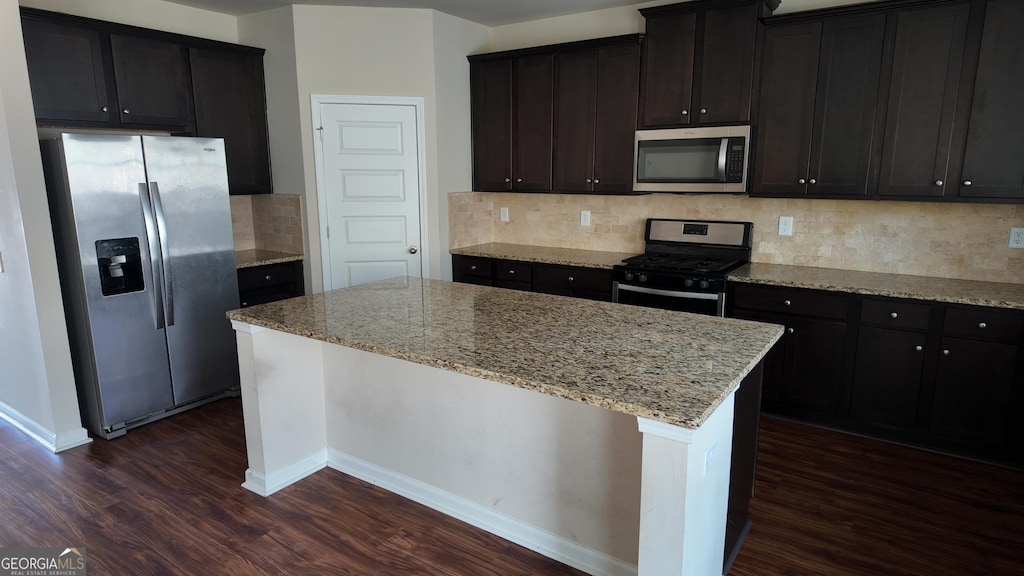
x,y
189,188
118,345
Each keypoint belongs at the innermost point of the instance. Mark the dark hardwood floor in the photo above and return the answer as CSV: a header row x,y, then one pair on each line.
x,y
165,499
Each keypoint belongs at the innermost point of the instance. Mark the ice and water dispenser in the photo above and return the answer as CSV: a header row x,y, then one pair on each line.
x,y
120,265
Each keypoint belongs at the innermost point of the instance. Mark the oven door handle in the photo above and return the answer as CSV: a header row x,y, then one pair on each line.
x,y
669,293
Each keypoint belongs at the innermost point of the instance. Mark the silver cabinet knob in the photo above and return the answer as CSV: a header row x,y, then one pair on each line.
x,y
126,111
918,348
686,112
413,249
571,278
982,325
968,182
588,180
938,182
473,267
813,181
519,179
787,302
703,110
790,330
267,277
945,352
512,271
802,181
894,315
105,109
508,179
597,180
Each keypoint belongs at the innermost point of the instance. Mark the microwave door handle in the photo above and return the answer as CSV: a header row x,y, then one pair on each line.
x,y
722,151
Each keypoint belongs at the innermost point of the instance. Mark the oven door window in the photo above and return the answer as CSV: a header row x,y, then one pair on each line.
x,y
669,302
667,161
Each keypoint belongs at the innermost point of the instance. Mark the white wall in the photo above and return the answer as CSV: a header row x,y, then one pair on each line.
x,y
37,388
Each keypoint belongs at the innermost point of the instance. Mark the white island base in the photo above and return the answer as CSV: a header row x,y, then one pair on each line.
x,y
599,490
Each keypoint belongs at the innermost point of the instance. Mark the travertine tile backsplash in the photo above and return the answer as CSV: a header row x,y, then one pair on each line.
x,y
268,222
967,241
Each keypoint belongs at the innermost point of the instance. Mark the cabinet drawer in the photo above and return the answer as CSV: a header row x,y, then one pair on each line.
x,y
263,276
512,271
893,314
983,323
791,301
475,267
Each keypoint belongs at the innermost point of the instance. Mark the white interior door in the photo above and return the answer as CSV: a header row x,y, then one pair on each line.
x,y
371,192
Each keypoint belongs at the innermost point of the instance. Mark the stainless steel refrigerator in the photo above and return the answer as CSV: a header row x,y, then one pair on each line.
x,y
142,226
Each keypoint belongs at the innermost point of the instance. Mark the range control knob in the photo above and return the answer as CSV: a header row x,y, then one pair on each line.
x,y
642,278
688,282
704,284
628,276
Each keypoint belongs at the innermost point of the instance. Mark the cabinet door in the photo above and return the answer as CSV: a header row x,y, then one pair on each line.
x,y
923,95
813,370
887,377
591,283
774,361
973,389
230,103
788,80
576,121
491,93
532,115
994,157
152,88
668,69
727,63
617,92
845,103
68,72
789,77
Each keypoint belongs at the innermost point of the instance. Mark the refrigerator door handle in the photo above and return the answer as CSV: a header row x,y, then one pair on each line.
x,y
165,253
155,267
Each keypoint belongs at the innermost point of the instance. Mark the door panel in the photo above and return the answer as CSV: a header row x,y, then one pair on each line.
x,y
617,93
887,377
576,121
532,121
152,88
371,168
491,92
728,64
188,180
669,47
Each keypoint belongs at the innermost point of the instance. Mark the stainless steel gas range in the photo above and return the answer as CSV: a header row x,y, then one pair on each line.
x,y
684,265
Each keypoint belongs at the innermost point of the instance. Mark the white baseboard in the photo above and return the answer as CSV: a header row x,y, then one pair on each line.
x,y
540,541
266,485
53,442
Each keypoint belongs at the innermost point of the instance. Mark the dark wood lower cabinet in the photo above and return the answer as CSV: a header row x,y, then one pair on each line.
x,y
269,283
941,376
575,281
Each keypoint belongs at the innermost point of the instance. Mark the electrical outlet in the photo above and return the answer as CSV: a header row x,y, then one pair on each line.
x,y
504,213
584,217
709,459
785,225
1016,237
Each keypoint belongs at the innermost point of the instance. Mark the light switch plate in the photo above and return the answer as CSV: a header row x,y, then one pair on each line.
x,y
584,217
785,225
504,213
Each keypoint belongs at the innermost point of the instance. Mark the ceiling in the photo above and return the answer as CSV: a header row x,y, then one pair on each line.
x,y
486,12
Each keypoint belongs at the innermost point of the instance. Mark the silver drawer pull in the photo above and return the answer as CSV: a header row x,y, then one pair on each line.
x,y
511,271
473,267
945,352
790,330
787,303
894,315
918,348
267,277
982,325
571,278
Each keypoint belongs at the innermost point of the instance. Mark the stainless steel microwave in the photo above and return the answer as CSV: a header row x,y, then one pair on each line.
x,y
699,160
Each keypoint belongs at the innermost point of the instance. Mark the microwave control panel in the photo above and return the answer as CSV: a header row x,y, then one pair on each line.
x,y
734,160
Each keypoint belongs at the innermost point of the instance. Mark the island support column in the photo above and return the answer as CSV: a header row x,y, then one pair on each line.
x,y
684,496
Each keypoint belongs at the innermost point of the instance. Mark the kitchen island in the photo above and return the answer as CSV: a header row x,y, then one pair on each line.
x,y
595,433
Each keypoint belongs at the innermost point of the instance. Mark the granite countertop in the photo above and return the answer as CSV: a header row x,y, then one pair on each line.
x,y
545,254
252,258
978,293
668,366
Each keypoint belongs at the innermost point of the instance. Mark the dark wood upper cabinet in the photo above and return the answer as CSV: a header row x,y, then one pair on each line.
x,y
230,103
993,165
698,62
152,87
596,99
918,151
819,95
512,111
68,72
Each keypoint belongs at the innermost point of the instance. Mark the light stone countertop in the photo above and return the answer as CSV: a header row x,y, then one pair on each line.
x,y
545,254
973,292
668,366
253,258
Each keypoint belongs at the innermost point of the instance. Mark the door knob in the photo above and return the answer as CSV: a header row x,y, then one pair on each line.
x,y
413,249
